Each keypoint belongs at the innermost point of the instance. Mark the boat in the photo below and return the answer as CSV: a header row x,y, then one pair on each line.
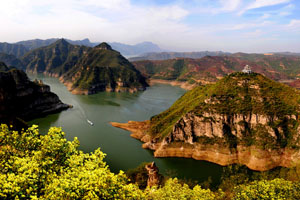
x,y
90,122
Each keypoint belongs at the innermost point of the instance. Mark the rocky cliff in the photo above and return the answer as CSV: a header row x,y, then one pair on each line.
x,y
22,99
243,118
103,69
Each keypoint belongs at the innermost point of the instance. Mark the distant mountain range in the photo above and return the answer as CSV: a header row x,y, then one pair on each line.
x,y
37,43
134,50
171,55
60,56
209,69
17,50
20,48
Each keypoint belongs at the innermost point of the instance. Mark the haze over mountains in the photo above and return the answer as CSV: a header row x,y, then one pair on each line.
x,y
188,68
20,48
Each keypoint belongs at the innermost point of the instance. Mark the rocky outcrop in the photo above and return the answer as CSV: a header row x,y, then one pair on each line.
x,y
243,119
183,143
23,99
153,175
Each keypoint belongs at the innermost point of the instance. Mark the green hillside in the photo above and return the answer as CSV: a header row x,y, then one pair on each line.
x,y
102,68
11,60
56,58
238,93
17,50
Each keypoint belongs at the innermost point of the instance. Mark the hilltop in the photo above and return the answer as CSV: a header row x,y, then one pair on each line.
x,y
243,118
54,59
103,69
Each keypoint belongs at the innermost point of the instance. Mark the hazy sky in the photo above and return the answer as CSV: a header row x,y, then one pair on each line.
x,y
178,25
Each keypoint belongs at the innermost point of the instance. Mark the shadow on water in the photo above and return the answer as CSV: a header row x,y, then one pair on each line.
x,y
98,99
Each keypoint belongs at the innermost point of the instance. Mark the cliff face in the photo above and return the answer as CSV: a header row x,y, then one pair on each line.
x,y
245,119
24,99
103,69
54,59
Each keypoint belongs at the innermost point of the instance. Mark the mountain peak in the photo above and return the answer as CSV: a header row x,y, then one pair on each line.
x,y
104,46
62,41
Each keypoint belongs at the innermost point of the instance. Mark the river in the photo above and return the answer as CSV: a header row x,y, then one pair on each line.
x,y
123,152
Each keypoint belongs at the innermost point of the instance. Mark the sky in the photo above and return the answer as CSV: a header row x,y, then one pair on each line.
x,y
175,25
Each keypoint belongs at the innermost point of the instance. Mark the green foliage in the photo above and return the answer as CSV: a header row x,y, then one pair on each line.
x,y
276,189
174,190
234,176
50,167
34,166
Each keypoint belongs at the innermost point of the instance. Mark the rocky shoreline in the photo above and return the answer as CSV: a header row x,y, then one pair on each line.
x,y
253,157
183,85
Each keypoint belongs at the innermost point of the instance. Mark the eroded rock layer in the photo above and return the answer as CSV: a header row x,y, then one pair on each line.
x,y
243,118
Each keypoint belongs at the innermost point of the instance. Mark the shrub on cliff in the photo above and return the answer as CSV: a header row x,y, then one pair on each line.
x,y
174,190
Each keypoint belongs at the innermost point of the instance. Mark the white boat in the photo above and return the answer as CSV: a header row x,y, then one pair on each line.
x,y
90,122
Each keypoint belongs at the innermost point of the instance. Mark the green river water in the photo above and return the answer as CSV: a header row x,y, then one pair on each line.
x,y
123,152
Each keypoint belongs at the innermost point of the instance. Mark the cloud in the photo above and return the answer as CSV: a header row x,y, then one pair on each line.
x,y
105,20
295,23
262,3
179,25
229,5
248,25
265,16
